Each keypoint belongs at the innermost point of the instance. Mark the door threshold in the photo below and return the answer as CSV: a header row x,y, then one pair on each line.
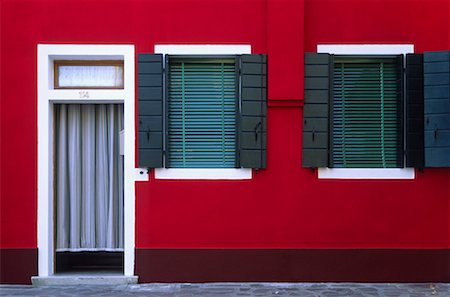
x,y
84,278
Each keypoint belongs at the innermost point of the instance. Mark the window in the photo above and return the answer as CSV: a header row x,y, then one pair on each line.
x,y
357,138
366,112
88,74
202,112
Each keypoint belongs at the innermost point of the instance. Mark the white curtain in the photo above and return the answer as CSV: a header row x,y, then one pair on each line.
x,y
89,177
90,76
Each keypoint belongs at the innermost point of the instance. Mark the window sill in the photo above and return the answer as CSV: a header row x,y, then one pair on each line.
x,y
366,173
204,174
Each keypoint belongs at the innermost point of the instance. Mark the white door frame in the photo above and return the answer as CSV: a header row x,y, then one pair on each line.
x,y
47,97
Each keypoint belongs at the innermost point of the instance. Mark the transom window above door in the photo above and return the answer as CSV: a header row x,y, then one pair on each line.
x,y
88,74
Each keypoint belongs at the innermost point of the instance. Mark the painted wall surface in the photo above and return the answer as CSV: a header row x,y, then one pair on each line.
x,y
284,206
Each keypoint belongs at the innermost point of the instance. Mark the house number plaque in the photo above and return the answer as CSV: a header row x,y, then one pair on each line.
x,y
84,94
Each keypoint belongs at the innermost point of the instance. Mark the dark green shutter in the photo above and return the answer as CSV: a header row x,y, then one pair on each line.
x,y
202,111
367,113
253,116
316,110
437,108
414,111
150,111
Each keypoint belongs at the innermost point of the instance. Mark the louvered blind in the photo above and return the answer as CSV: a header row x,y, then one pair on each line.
x,y
202,112
366,114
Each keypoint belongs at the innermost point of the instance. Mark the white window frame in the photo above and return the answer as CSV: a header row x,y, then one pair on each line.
x,y
47,97
366,173
196,173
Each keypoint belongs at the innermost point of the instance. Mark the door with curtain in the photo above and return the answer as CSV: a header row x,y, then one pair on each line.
x,y
89,185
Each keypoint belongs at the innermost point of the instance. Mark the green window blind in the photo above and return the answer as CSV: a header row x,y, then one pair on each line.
x,y
202,111
366,113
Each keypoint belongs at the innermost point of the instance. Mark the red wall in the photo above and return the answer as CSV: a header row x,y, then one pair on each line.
x,y
282,206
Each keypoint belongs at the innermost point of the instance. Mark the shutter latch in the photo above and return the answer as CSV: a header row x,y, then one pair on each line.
x,y
256,131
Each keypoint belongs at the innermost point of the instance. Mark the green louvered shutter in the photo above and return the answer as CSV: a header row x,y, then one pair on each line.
x,y
202,112
367,113
253,116
150,110
437,108
414,111
316,110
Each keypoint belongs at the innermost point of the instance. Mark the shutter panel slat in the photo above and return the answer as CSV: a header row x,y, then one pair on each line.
x,y
366,117
437,108
150,110
414,111
316,110
253,118
202,110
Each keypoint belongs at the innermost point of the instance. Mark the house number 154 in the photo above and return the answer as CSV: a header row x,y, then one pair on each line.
x,y
84,94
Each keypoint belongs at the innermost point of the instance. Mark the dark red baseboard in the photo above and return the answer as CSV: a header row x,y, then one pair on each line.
x,y
293,265
17,266
226,265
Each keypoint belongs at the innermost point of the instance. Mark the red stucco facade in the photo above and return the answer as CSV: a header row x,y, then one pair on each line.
x,y
284,206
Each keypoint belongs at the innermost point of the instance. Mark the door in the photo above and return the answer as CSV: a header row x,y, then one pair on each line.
x,y
89,187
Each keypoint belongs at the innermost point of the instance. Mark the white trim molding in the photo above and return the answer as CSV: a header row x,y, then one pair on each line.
x,y
366,49
203,174
362,173
47,96
207,173
203,49
366,173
